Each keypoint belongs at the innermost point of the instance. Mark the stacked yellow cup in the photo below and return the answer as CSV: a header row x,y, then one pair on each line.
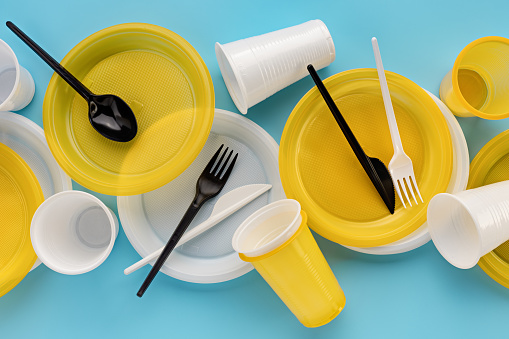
x,y
279,244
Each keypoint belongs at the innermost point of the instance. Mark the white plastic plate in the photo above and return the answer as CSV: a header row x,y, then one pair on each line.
x,y
149,219
26,138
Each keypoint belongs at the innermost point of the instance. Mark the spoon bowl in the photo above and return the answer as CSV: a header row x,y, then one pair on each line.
x,y
112,117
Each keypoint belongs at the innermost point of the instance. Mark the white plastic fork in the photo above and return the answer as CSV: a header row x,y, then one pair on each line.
x,y
400,166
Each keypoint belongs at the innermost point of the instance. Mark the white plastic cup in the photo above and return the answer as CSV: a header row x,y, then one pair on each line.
x,y
17,87
467,225
73,232
255,68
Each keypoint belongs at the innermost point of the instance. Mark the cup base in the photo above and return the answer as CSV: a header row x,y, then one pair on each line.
x,y
329,319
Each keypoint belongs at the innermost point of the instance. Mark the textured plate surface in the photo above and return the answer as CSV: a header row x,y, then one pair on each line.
x,y
489,166
20,195
319,169
150,219
164,81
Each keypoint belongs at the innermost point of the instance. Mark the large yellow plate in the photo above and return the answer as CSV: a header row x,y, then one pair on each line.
x,y
489,166
166,83
20,196
319,169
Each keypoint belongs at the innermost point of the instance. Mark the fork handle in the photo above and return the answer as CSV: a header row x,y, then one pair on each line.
x,y
389,109
170,245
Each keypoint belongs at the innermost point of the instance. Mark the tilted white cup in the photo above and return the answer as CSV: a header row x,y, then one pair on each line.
x,y
465,226
255,68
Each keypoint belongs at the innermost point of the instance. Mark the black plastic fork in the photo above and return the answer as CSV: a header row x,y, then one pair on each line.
x,y
209,184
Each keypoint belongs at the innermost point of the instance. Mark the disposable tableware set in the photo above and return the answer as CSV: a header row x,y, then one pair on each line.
x,y
206,195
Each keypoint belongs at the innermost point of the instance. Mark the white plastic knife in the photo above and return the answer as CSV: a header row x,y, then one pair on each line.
x,y
225,206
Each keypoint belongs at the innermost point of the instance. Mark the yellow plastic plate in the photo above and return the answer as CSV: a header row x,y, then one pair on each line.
x,y
319,169
20,195
164,81
488,167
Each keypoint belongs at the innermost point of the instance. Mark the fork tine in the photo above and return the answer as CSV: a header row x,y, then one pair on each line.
x,y
399,194
224,165
417,188
213,160
409,181
230,168
405,190
220,161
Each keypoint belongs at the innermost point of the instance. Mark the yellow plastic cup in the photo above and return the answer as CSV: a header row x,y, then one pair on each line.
x,y
477,84
279,244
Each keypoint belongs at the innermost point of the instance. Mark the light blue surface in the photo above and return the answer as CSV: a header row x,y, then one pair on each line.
x,y
413,295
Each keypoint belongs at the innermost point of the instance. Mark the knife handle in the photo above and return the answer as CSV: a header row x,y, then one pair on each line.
x,y
350,137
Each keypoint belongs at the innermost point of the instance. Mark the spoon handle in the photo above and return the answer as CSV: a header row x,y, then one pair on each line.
x,y
59,69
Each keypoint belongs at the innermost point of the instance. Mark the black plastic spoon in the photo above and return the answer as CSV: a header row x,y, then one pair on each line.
x,y
108,114
374,168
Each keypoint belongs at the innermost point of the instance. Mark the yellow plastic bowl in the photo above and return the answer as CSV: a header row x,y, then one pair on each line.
x,y
166,83
319,169
488,167
20,196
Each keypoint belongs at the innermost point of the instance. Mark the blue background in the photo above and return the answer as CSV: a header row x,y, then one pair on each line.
x,y
416,295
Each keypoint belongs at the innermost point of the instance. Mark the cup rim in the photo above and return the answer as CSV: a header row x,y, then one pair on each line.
x,y
275,243
455,83
18,75
48,203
